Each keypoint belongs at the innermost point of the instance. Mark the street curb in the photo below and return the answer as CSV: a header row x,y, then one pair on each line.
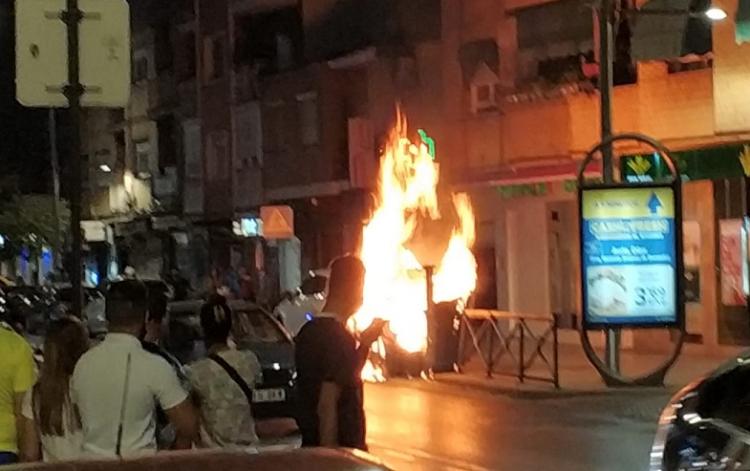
x,y
540,394
474,385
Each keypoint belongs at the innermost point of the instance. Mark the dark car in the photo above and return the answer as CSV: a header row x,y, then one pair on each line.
x,y
706,426
254,329
30,306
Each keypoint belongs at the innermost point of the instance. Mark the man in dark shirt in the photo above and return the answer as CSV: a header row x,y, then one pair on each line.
x,y
151,339
329,364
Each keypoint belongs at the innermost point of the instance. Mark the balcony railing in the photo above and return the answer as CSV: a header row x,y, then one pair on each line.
x,y
165,184
245,84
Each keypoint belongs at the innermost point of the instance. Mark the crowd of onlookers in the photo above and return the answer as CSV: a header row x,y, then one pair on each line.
x,y
126,396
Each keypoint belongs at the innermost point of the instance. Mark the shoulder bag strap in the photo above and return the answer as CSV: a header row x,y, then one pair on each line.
x,y
246,389
121,424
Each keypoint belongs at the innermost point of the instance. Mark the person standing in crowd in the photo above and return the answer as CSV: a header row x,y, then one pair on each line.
x,y
49,417
17,374
181,286
329,364
117,385
247,289
129,273
223,382
158,300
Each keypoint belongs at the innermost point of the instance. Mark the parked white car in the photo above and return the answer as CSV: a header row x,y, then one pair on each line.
x,y
302,306
94,305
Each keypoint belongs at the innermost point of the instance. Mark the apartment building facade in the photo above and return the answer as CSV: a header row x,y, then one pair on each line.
x,y
521,104
139,161
243,103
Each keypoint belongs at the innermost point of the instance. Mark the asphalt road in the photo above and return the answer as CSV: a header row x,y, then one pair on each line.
x,y
429,426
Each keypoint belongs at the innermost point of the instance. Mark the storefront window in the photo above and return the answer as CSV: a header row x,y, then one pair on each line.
x,y
691,234
733,253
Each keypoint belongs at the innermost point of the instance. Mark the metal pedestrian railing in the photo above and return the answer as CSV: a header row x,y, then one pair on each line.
x,y
528,341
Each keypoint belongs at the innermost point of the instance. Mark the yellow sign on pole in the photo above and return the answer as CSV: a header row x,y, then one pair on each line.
x,y
278,222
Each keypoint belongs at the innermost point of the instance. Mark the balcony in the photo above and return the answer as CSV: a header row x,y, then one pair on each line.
x,y
165,185
187,93
246,84
675,108
162,93
166,191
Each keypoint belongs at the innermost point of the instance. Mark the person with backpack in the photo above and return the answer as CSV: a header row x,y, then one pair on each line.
x,y
222,383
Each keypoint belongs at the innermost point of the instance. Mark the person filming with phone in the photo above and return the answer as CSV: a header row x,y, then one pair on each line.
x,y
329,364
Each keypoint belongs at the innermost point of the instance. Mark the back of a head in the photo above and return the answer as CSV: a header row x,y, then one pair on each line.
x,y
65,343
347,279
216,320
127,304
158,300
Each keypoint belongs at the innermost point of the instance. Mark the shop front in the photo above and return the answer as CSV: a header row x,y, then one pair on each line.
x,y
527,247
528,242
715,228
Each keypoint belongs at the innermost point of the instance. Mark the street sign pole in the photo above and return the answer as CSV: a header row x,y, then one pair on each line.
x,y
73,91
606,84
55,167
97,35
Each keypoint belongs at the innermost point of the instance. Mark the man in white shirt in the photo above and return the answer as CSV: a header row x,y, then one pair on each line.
x,y
117,385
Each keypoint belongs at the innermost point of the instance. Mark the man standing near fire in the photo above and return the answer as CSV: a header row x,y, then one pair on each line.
x,y
329,363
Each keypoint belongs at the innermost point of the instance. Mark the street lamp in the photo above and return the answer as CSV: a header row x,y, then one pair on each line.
x,y
715,14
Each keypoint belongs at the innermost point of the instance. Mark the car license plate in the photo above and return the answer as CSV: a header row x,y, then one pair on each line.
x,y
269,395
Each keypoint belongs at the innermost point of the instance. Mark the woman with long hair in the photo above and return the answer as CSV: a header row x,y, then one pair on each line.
x,y
51,423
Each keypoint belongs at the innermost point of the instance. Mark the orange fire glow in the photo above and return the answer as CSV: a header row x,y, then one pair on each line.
x,y
395,279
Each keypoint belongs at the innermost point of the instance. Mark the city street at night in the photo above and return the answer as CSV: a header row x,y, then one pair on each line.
x,y
375,235
432,426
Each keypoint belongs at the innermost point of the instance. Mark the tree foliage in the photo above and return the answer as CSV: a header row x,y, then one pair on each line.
x,y
27,222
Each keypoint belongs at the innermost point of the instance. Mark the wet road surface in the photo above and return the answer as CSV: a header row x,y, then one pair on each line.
x,y
429,426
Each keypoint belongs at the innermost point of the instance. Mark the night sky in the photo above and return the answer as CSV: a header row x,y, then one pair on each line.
x,y
24,147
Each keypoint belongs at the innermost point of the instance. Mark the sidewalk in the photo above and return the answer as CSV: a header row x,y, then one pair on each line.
x,y
578,376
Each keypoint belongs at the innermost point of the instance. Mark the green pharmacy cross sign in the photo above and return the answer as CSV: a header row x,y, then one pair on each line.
x,y
428,141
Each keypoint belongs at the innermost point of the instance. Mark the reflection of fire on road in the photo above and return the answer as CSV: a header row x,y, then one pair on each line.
x,y
408,223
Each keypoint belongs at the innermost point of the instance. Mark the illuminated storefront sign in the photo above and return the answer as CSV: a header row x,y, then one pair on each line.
x,y
629,247
428,141
712,163
248,227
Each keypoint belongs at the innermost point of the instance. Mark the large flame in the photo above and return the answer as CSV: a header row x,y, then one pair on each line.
x,y
395,280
